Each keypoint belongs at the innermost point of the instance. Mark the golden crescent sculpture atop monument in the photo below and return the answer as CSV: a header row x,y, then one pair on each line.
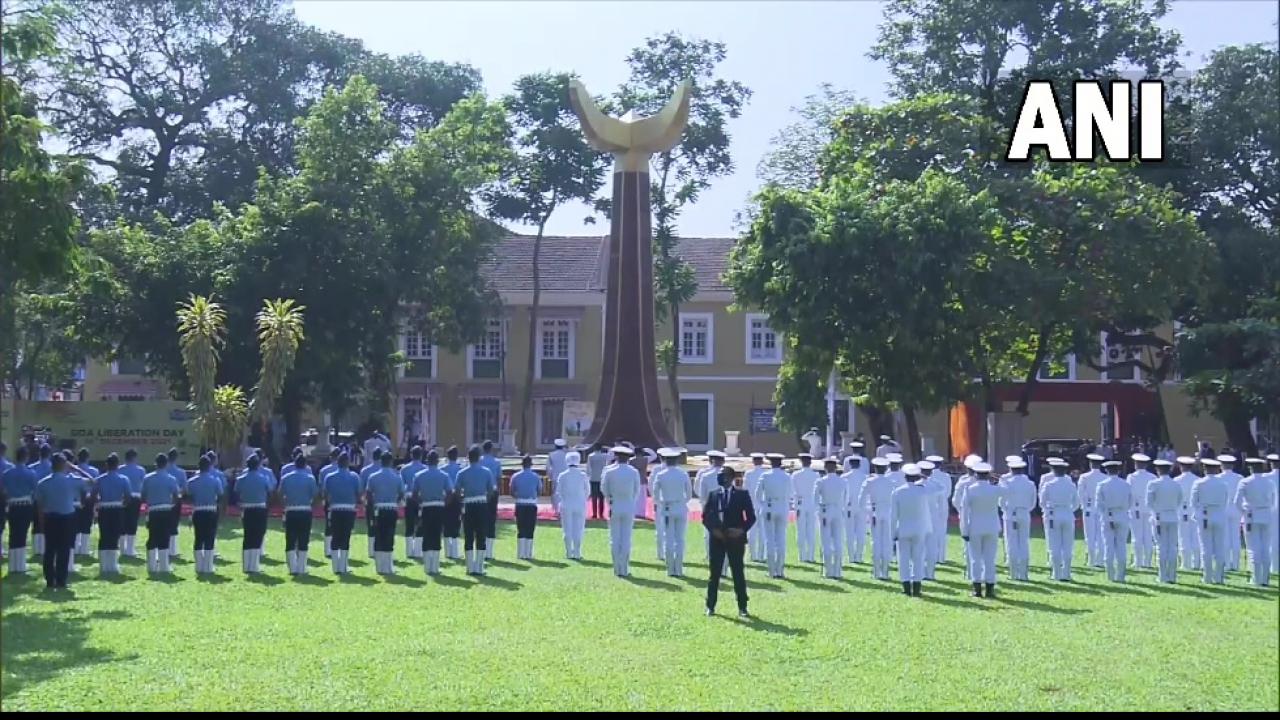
x,y
630,136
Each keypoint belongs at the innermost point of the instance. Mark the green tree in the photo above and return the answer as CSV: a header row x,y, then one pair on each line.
x,y
795,151
681,174
1228,172
553,165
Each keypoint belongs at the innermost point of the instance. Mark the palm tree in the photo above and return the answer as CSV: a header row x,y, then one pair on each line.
x,y
279,334
221,425
201,330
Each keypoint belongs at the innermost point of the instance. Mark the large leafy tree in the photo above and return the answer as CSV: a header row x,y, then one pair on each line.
x,y
184,101
553,165
795,151
680,174
1228,170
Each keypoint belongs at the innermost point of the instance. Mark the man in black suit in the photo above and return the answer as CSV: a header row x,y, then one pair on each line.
x,y
728,515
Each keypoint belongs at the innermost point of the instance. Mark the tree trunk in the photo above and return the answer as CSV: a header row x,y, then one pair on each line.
x,y
1033,373
531,361
673,381
1239,434
913,431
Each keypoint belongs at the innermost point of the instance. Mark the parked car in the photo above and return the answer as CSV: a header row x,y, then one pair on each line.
x,y
1072,450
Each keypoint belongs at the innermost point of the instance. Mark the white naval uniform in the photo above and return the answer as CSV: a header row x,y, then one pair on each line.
x,y
659,524
1255,501
772,508
1209,499
1232,480
957,502
1188,528
1090,516
1016,506
621,485
980,513
755,536
1115,505
1059,500
1275,522
672,490
910,507
941,515
877,496
573,488
557,462
1140,528
855,516
706,481
1164,498
802,482
829,498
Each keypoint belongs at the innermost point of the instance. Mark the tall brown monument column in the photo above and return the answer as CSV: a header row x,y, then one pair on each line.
x,y
628,406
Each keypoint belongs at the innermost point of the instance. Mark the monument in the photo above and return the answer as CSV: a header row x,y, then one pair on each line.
x,y
628,406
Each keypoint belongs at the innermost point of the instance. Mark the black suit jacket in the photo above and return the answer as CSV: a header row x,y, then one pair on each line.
x,y
736,508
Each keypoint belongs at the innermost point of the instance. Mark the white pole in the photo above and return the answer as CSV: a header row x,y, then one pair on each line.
x,y
831,410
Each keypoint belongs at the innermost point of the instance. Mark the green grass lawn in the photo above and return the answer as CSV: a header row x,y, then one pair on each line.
x,y
567,635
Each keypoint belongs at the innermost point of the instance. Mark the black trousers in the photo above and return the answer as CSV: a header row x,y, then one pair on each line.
x,y
453,518
20,519
733,551
341,523
177,519
205,523
84,517
110,520
384,538
491,518
369,516
328,523
297,530
597,501
132,515
430,524
4,517
254,521
59,533
158,531
410,519
475,520
526,521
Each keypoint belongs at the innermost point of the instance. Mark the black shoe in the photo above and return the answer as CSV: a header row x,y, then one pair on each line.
x,y
710,612
977,590
742,613
915,589
906,589
991,590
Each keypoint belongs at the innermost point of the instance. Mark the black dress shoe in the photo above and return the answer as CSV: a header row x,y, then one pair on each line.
x,y
742,613
906,589
915,589
991,590
977,590
710,612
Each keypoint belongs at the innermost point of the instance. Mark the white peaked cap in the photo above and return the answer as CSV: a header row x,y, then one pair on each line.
x,y
982,467
924,465
1140,457
911,470
572,458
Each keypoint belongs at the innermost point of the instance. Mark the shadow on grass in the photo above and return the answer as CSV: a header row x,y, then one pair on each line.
x,y
212,578
39,646
548,563
1075,587
165,578
809,585
403,580
508,564
1004,599
262,579
970,604
761,625
450,581
350,579
1122,589
1244,592
594,563
655,584
318,580
499,583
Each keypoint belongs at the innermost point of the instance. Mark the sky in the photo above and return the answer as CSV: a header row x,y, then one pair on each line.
x,y
783,51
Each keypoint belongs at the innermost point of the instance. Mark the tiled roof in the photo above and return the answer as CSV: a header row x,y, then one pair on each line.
x,y
576,263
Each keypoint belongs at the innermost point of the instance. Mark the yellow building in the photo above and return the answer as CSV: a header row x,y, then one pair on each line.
x,y
729,367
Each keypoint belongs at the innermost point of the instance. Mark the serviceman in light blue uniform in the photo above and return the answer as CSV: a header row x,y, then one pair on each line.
x,y
494,465
324,473
112,491
133,510
84,517
525,488
160,491
476,483
205,491
341,495
385,490
374,465
254,488
180,476
299,488
56,496
4,508
42,467
19,482
431,487
410,470
452,507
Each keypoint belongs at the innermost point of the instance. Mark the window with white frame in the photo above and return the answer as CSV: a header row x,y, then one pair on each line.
x,y
1118,352
484,420
420,353
555,354
695,338
486,355
763,346
1053,369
